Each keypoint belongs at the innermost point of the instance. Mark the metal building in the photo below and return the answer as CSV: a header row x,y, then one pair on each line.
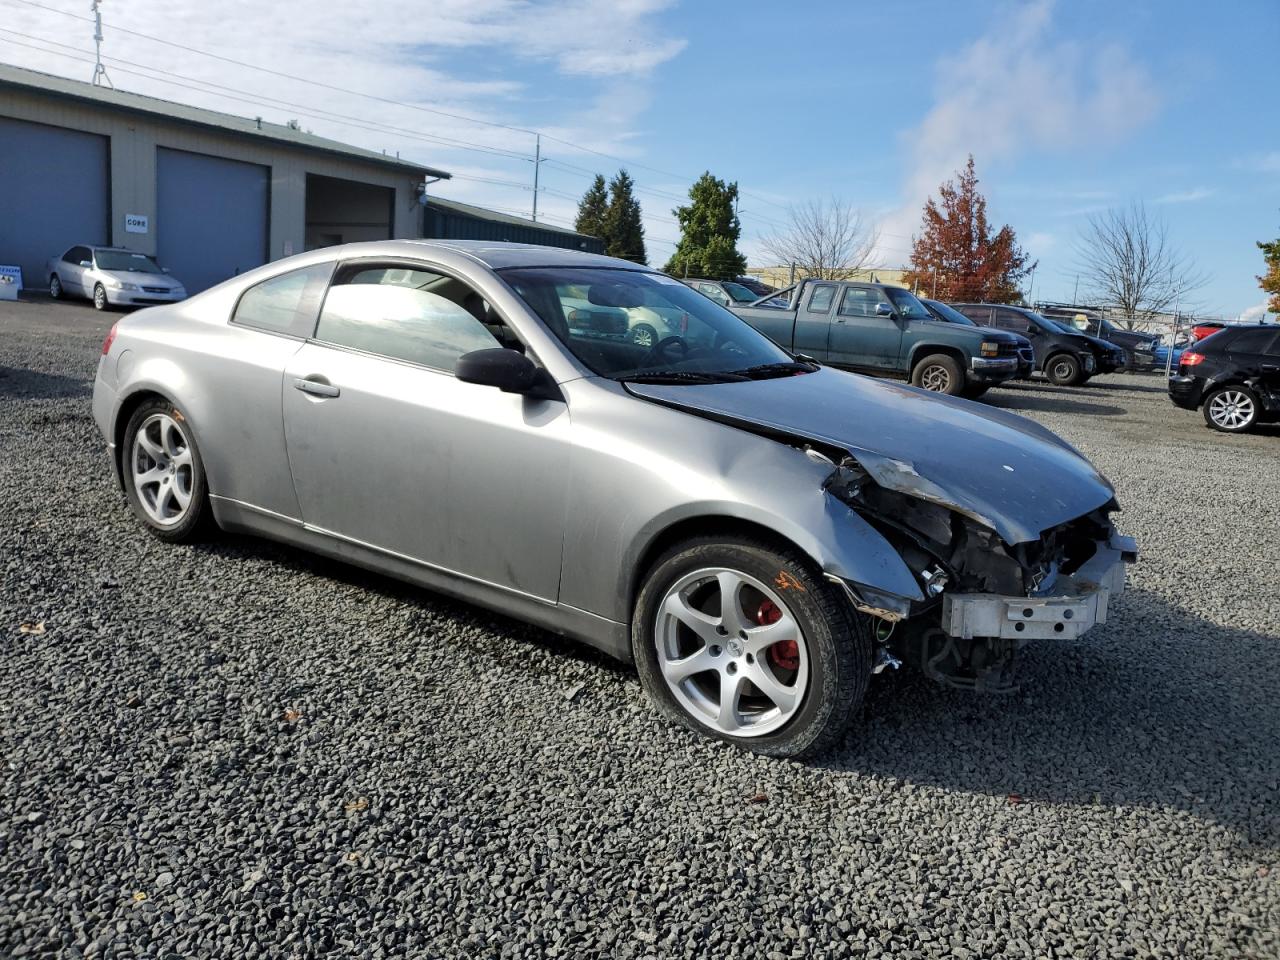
x,y
451,220
210,194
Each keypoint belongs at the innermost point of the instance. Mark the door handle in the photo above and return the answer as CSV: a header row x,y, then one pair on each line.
x,y
1271,367
315,387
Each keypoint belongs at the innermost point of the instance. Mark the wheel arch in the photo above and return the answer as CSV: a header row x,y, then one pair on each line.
x,y
136,396
922,350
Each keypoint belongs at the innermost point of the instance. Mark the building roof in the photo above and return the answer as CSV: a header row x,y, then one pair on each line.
x,y
251,128
483,213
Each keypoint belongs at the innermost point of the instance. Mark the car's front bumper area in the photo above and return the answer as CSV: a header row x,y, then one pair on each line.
x,y
1074,604
1186,391
992,369
143,297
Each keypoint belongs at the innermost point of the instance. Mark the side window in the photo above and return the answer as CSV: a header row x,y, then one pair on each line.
x,y
285,304
979,315
821,297
1252,341
714,292
77,254
407,314
861,302
1012,320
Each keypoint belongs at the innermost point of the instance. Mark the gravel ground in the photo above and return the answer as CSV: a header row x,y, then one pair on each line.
x,y
238,750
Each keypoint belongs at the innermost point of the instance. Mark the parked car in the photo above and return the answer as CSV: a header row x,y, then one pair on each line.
x,y
111,276
760,534
757,286
727,293
644,325
1206,328
1026,352
1065,358
1137,345
884,330
1160,355
1107,357
1233,375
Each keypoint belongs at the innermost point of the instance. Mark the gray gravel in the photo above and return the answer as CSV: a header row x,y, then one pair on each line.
x,y
237,750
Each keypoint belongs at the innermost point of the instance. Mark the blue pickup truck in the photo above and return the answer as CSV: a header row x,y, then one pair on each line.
x,y
883,330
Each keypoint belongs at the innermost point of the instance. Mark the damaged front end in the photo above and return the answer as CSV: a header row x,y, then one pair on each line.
x,y
983,595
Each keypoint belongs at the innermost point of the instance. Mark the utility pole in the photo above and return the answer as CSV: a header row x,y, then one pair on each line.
x,y
1075,295
537,164
100,77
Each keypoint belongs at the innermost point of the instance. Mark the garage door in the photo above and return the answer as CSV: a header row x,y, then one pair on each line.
x,y
53,193
211,216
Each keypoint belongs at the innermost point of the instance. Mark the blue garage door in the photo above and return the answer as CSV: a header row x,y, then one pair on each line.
x,y
53,193
211,216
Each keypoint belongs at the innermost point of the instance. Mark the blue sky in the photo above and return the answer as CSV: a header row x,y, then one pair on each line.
x,y
1068,108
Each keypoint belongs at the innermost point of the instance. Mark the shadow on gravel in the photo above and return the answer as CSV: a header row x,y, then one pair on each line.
x,y
1055,404
1171,710
19,382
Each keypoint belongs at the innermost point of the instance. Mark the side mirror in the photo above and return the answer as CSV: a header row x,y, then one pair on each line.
x,y
164,269
85,263
509,371
884,310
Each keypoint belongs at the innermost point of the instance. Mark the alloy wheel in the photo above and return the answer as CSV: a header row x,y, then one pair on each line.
x,y
643,336
163,471
55,287
731,652
936,378
1231,409
99,297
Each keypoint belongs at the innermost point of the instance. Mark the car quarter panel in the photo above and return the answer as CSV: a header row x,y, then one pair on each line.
x,y
640,467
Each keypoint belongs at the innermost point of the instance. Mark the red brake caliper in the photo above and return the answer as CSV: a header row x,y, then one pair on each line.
x,y
785,654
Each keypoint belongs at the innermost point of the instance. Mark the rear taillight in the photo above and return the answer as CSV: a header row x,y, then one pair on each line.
x,y
1191,358
111,337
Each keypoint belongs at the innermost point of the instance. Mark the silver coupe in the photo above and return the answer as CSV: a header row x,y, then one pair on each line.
x,y
758,533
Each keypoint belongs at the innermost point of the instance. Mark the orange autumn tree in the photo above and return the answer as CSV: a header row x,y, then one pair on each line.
x,y
956,256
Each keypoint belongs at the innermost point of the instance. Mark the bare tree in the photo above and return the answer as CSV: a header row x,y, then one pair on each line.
x,y
1127,261
826,240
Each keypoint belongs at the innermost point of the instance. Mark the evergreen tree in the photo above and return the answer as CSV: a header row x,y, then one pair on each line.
x,y
709,232
592,209
623,232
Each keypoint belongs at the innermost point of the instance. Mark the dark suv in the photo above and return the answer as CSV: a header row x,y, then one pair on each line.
x,y
1067,359
1235,375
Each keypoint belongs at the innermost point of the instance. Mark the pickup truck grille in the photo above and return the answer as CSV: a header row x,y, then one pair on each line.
x,y
1008,349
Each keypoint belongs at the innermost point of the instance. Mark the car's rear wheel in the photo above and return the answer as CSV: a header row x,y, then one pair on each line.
x,y
1062,369
743,642
163,473
643,335
1231,409
55,287
99,297
940,374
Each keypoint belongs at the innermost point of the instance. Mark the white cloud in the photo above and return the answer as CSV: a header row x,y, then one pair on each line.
x,y
1017,88
1187,196
1254,314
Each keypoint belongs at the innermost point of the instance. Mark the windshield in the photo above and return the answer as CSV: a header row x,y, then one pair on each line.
x,y
739,293
1062,325
906,304
124,260
949,314
626,324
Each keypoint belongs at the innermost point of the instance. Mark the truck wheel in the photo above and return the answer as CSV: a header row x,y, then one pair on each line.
x,y
745,642
939,373
1062,369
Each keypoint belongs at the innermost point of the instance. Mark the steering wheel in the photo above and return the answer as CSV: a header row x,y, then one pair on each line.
x,y
660,348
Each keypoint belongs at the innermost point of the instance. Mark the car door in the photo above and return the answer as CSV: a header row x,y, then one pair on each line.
x,y
867,331
72,274
1256,353
1005,319
812,334
388,448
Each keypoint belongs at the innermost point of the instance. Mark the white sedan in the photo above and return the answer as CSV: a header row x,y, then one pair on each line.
x,y
112,276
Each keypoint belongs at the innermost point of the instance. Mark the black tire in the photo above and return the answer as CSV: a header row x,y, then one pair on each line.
x,y
975,390
939,373
642,334
1062,369
1231,409
195,522
837,639
55,287
100,297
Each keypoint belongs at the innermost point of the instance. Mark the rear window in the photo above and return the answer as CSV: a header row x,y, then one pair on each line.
x,y
287,304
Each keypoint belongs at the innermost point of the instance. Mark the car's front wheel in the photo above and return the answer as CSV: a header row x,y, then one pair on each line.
x,y
940,374
743,641
55,287
1062,370
99,297
163,474
1231,409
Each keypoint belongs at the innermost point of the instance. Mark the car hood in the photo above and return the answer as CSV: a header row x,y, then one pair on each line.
x,y
1000,469
142,279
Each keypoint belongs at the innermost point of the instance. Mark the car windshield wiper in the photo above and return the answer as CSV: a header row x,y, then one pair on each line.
x,y
762,371
683,376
